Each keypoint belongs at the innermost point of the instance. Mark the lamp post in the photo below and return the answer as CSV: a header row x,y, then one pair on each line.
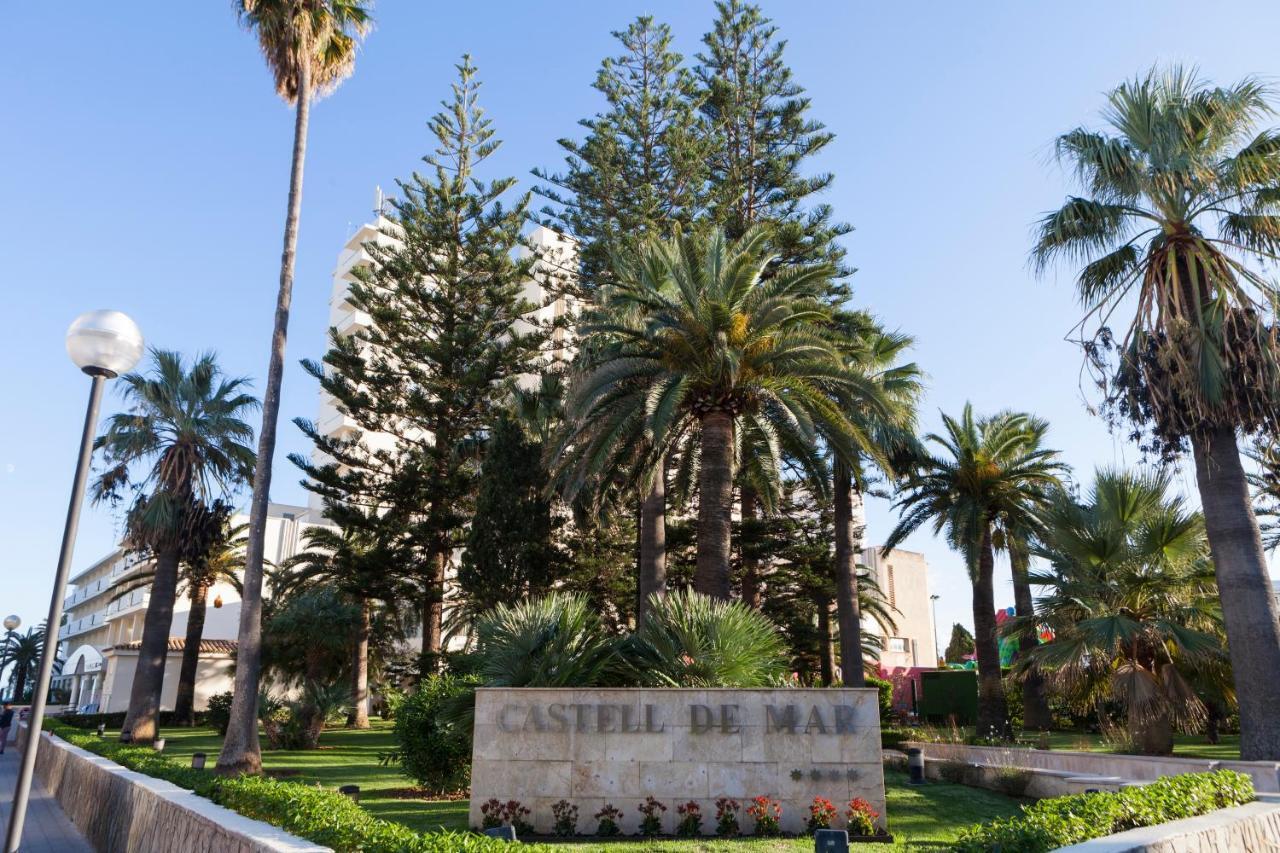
x,y
103,344
11,625
937,655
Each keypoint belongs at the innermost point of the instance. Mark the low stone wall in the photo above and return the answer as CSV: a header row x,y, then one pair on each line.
x,y
1253,827
118,809
1104,770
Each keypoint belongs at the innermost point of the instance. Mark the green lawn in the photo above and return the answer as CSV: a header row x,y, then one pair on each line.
x,y
1184,746
923,818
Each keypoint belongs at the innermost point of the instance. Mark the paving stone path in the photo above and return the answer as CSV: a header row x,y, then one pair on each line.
x,y
47,829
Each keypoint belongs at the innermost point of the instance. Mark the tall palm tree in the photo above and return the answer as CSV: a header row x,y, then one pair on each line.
x,y
23,651
180,445
361,572
310,47
694,342
988,472
1181,195
874,353
1133,605
222,562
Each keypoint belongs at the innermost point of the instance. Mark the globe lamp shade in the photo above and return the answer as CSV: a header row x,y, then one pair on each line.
x,y
104,342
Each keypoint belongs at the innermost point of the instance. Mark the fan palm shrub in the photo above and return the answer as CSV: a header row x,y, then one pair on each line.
x,y
180,445
1179,212
988,472
310,48
695,640
1131,598
552,641
693,341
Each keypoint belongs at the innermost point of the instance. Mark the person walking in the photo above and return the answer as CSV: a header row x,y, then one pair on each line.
x,y
6,720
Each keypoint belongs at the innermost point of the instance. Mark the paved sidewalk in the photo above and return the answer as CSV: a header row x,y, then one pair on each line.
x,y
47,829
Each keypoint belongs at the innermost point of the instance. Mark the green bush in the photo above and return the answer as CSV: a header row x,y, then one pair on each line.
x,y
115,719
312,812
1060,821
886,696
895,738
433,749
218,714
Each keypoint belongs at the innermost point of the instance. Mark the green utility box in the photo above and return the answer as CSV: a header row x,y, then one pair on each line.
x,y
949,692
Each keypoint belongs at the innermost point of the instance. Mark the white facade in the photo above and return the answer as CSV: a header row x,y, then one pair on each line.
x,y
102,629
903,577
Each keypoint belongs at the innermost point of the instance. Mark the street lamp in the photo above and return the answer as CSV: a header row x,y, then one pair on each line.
x,y
937,655
103,344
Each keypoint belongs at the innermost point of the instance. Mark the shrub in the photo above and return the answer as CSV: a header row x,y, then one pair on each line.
x,y
694,640
553,641
433,750
956,772
821,813
1061,821
651,812
607,821
885,694
218,714
312,812
861,817
1013,781
894,738
767,815
565,815
727,817
297,724
690,823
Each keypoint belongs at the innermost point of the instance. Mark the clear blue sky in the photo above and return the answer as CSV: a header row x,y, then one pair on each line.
x,y
144,163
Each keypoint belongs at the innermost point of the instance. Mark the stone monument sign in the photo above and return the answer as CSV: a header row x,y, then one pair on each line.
x,y
593,747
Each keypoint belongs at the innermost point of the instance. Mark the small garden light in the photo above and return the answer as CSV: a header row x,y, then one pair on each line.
x,y
197,760
831,841
915,765
352,791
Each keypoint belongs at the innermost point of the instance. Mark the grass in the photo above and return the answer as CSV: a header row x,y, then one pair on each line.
x,y
921,818
1184,746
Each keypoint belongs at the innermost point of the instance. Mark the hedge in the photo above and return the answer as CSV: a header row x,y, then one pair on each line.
x,y
1060,821
115,719
312,812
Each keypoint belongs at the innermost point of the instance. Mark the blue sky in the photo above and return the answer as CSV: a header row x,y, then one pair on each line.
x,y
145,162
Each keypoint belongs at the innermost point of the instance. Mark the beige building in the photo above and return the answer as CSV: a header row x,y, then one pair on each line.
x,y
102,631
904,579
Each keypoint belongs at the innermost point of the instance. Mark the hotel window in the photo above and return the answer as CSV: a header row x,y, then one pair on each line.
x,y
898,644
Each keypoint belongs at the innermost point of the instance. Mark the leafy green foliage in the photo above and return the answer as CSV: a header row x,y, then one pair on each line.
x,y
553,641
218,711
1061,821
433,750
960,644
323,816
884,692
692,640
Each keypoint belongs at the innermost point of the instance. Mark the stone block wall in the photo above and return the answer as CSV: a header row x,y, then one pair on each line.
x,y
617,746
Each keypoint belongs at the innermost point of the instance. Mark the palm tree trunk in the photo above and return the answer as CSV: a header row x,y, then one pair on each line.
x,y
747,545
433,612
148,679
241,750
826,656
653,542
1035,707
993,712
715,505
184,703
1248,601
1153,736
848,537
19,682
359,716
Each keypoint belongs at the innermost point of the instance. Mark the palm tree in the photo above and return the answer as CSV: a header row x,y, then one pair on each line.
x,y
361,572
310,47
693,342
873,353
989,473
221,563
23,651
179,446
1133,605
1178,196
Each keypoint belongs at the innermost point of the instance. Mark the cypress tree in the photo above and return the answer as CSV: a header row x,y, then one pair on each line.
x,y
961,644
446,341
